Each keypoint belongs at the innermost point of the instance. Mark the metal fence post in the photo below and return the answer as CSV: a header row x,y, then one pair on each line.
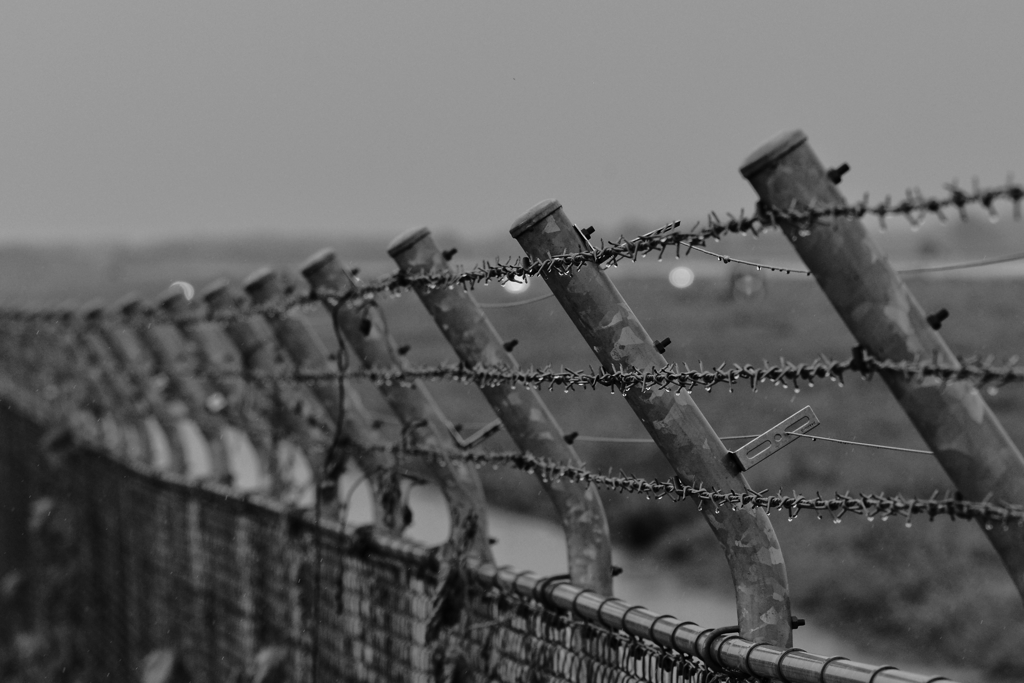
x,y
674,421
130,407
526,417
197,430
952,417
308,354
166,450
250,451
421,417
306,421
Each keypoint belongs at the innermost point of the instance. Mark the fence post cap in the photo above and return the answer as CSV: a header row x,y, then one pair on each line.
x,y
92,309
317,261
406,240
771,151
127,304
215,289
172,299
534,216
258,278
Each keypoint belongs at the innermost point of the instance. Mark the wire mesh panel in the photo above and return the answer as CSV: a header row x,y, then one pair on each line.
x,y
218,578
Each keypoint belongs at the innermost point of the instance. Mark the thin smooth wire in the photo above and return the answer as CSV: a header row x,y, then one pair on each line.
x,y
725,258
748,437
512,304
967,264
812,437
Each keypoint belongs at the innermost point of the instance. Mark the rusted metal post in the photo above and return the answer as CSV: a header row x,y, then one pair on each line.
x,y
674,422
952,417
526,417
362,327
302,418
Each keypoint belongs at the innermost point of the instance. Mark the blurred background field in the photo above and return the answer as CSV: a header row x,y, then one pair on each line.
x,y
934,591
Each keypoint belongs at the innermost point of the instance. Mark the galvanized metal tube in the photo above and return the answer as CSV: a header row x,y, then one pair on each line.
x,y
674,422
363,330
952,417
249,442
305,419
166,449
197,430
130,407
526,417
92,399
308,354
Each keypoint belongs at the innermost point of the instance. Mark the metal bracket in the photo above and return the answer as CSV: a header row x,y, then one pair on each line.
x,y
776,438
476,437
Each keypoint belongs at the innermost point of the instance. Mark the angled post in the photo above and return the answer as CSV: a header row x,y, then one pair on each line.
x,y
304,420
952,417
249,442
526,417
129,407
167,451
674,421
93,400
197,429
309,355
421,417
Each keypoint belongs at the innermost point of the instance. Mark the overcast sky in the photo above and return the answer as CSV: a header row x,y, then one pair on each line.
x,y
143,120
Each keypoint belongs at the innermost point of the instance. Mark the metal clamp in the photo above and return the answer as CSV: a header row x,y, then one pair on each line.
x,y
776,438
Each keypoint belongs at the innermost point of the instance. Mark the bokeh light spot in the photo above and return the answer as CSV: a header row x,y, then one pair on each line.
x,y
681,277
516,287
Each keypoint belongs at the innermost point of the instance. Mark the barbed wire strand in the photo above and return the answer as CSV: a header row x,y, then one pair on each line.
x,y
678,378
869,505
914,209
668,238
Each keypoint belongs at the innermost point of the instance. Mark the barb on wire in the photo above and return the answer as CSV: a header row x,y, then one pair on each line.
x,y
869,505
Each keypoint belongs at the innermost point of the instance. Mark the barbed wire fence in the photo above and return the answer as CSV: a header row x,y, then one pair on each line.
x,y
189,417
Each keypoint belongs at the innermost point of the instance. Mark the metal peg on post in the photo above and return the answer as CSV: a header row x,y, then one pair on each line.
x,y
886,319
526,417
674,421
363,329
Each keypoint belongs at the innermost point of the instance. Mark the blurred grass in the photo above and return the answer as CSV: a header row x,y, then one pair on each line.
x,y
936,590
